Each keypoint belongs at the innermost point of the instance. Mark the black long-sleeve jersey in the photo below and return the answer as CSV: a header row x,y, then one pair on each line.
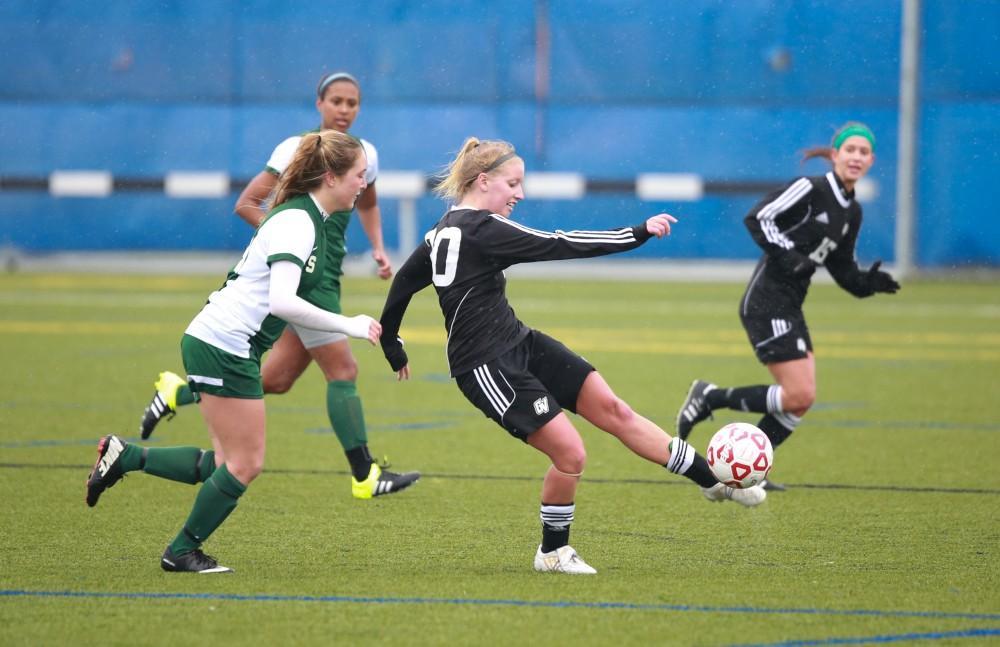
x,y
464,255
811,221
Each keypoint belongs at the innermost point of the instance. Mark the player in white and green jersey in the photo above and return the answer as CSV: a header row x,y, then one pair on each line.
x,y
274,282
338,101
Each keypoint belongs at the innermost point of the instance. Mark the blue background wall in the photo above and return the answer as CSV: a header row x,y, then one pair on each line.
x,y
731,91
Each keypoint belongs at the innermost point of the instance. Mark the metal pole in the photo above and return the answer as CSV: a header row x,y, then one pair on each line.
x,y
906,184
407,227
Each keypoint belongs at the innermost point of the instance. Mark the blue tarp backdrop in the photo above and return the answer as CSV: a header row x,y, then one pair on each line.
x,y
731,91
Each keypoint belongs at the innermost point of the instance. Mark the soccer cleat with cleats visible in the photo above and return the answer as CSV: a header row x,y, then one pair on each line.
x,y
771,486
749,497
562,560
694,409
381,481
163,404
193,562
107,470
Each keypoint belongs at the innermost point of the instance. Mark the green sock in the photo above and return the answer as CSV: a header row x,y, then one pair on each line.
x,y
184,464
131,458
343,406
184,395
216,499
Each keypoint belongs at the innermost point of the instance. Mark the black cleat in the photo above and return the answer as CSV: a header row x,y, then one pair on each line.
x,y
771,486
107,470
380,482
164,403
193,562
694,409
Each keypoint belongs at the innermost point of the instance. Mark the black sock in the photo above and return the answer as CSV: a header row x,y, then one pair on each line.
x,y
361,462
556,519
777,432
741,398
684,460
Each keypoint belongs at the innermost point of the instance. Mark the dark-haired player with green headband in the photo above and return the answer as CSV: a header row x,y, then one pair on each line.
x,y
809,222
338,100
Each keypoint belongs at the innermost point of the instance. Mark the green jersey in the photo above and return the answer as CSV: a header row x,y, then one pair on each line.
x,y
237,317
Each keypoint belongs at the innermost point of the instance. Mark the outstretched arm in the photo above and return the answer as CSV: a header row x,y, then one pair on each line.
x,y
513,243
286,304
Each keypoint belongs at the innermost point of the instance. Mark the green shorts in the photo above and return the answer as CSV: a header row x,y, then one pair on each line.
x,y
215,372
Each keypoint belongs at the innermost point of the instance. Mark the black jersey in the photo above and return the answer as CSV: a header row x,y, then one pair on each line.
x,y
812,218
464,255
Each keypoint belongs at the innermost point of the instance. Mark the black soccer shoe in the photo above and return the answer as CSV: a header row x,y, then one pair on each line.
x,y
164,402
694,409
771,486
193,562
381,482
108,468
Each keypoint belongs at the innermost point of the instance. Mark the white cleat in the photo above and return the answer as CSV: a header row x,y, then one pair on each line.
x,y
562,560
749,497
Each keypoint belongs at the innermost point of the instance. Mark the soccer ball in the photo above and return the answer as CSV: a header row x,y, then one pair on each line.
x,y
740,455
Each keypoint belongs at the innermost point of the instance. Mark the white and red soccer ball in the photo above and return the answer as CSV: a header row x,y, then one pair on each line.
x,y
740,455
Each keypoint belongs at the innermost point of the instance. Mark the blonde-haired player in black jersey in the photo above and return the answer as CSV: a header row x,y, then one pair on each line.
x,y
809,222
519,377
273,283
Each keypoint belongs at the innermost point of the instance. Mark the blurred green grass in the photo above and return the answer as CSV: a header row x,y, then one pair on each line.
x,y
893,504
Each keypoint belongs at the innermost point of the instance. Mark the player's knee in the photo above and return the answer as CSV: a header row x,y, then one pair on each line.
x,y
277,383
799,399
344,371
572,461
246,469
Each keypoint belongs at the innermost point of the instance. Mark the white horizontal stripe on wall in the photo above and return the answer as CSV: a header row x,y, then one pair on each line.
x,y
196,184
554,186
866,189
81,184
669,186
401,184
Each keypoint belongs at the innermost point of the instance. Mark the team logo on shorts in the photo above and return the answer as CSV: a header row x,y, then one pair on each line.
x,y
801,344
541,405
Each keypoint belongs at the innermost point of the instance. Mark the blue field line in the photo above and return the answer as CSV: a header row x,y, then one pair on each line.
x,y
562,604
886,638
906,425
594,481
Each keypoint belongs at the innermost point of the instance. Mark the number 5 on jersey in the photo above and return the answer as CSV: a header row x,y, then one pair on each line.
x,y
444,254
820,253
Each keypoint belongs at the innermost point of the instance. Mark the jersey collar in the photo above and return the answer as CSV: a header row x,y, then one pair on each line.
x,y
843,197
322,212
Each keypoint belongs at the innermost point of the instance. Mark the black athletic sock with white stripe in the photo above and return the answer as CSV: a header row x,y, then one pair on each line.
x,y
556,519
778,427
741,398
684,460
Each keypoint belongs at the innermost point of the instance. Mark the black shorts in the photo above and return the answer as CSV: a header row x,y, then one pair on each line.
x,y
528,385
780,337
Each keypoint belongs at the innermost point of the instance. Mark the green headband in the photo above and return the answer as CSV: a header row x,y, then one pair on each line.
x,y
854,129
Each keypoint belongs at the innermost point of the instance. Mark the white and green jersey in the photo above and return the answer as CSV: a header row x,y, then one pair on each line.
x,y
237,317
283,153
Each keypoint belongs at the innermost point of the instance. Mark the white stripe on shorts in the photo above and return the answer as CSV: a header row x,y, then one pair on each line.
x,y
491,390
201,379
